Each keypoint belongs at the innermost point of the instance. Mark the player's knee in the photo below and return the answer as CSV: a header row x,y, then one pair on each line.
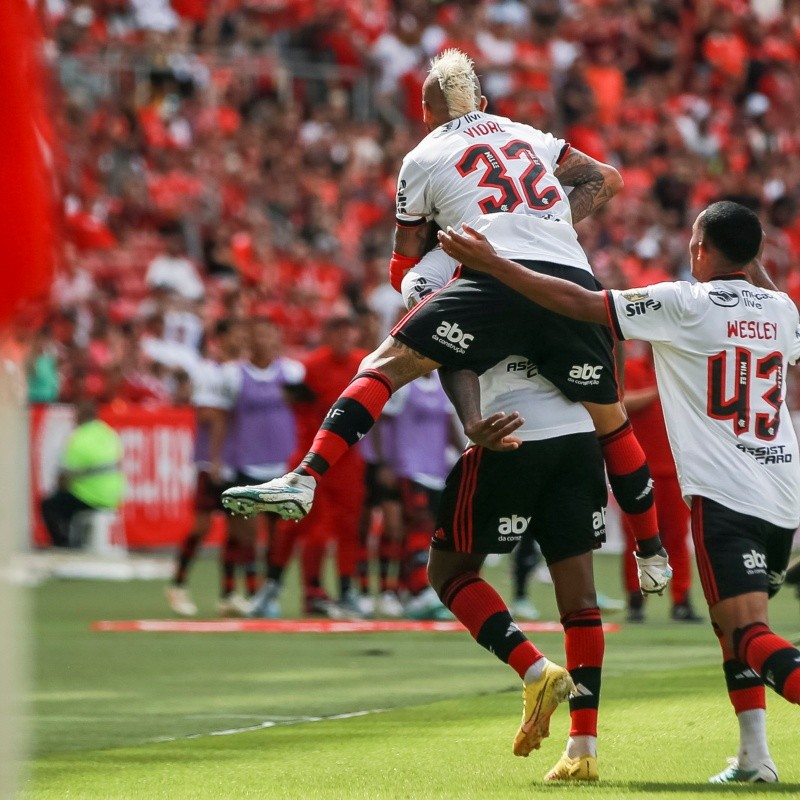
x,y
634,491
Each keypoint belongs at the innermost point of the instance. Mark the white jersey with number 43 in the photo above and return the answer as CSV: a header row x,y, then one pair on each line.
x,y
721,350
497,176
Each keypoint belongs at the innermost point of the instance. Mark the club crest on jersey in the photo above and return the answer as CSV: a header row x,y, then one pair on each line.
x,y
726,299
635,295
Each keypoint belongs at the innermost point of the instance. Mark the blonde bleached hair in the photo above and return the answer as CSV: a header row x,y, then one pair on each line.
x,y
455,73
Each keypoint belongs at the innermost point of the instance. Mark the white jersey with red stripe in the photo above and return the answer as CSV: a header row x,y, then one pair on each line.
x,y
497,176
721,350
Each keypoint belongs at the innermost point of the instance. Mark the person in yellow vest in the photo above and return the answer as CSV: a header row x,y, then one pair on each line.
x,y
90,477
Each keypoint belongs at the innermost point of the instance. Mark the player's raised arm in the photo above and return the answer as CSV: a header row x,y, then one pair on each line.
x,y
594,182
564,297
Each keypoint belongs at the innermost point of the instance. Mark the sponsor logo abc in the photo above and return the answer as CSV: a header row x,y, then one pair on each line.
x,y
449,334
585,374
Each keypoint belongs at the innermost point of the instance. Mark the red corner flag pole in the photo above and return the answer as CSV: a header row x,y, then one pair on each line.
x,y
27,198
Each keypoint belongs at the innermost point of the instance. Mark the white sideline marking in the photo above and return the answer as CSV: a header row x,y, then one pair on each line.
x,y
271,723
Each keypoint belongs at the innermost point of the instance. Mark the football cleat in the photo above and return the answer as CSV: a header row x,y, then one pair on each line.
x,y
540,699
180,601
524,610
264,603
582,768
233,605
654,572
765,772
389,606
427,606
290,496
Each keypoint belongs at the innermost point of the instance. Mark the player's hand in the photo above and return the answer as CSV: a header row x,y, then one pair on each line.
x,y
470,248
654,572
494,433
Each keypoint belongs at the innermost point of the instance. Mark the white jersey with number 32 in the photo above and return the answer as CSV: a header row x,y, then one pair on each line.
x,y
497,176
721,350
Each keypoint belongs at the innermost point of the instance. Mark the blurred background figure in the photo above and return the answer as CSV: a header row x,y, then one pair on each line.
x,y
334,521
211,398
644,408
90,478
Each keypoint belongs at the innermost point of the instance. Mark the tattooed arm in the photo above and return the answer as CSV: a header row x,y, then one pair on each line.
x,y
594,183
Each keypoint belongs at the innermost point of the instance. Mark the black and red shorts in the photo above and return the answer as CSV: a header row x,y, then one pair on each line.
x,y
737,553
553,490
476,321
208,494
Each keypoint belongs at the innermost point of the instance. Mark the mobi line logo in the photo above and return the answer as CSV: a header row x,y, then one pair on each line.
x,y
450,335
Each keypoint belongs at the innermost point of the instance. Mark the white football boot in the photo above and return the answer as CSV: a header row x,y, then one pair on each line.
x,y
289,496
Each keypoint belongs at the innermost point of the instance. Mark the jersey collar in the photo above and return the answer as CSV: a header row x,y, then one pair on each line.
x,y
731,276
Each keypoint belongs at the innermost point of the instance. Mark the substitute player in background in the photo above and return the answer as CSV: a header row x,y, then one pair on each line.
x,y
507,178
211,399
721,348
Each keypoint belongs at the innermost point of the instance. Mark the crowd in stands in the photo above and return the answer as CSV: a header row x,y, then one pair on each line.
x,y
221,158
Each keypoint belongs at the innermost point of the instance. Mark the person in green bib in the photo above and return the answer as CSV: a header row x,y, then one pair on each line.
x,y
90,477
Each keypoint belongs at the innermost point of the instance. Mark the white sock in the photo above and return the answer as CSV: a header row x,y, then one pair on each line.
x,y
534,671
753,748
582,746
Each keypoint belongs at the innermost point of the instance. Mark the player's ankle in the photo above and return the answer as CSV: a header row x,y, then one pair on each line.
x,y
650,547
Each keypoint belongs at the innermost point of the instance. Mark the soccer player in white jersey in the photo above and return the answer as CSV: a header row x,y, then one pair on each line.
x,y
721,348
507,178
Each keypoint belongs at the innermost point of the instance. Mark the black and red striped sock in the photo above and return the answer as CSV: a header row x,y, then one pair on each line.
x,y
389,555
484,614
585,646
745,688
773,658
229,557
247,558
348,419
186,556
632,485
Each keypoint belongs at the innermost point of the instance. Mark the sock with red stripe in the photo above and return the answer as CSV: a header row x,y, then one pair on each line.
x,y
749,701
389,555
186,556
632,486
484,614
585,646
745,687
248,560
348,419
773,658
229,557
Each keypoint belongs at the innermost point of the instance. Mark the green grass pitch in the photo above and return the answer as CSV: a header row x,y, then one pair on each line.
x,y
131,715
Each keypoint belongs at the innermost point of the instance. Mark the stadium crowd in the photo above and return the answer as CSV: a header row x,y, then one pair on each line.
x,y
225,159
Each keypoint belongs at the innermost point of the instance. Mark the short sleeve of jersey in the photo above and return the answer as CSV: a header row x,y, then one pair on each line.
x,y
293,371
206,380
230,383
432,272
413,200
550,149
651,313
794,353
